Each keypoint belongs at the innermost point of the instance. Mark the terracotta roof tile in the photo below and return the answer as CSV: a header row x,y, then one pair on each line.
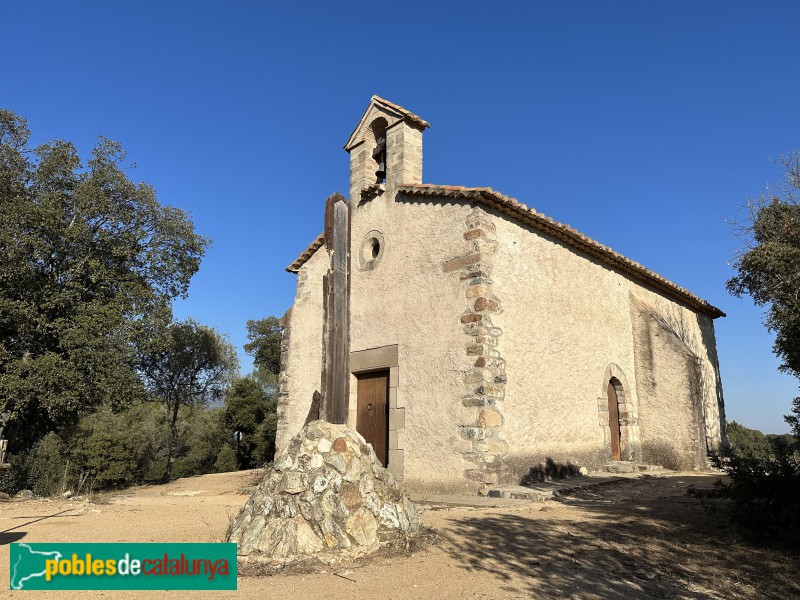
x,y
565,233
391,107
306,254
406,113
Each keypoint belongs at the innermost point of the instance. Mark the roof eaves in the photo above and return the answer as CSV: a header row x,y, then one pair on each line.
x,y
306,254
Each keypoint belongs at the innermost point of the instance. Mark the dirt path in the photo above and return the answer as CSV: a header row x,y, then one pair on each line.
x,y
637,539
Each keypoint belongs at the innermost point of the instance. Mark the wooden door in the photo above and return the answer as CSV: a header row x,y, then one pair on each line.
x,y
613,421
373,412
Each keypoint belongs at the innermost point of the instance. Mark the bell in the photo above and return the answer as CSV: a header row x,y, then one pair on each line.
x,y
379,156
380,173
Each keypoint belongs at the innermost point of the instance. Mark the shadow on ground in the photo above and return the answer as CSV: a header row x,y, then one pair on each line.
x,y
8,538
643,539
10,535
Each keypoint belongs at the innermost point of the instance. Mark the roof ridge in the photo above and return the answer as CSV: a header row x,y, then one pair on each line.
x,y
407,113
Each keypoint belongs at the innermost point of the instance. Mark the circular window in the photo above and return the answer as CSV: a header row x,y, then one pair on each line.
x,y
371,250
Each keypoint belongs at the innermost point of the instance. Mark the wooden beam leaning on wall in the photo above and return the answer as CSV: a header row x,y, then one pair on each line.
x,y
336,328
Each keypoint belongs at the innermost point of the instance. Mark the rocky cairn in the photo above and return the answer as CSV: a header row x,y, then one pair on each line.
x,y
327,496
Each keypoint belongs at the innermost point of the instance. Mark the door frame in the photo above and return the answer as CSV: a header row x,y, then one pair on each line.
x,y
377,359
384,418
614,423
628,414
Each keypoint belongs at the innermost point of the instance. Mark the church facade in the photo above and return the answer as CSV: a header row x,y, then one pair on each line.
x,y
486,338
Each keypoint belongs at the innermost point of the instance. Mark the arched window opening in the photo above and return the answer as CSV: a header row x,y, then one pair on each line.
x,y
378,128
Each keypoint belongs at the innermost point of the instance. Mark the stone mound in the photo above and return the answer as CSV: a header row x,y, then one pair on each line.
x,y
326,496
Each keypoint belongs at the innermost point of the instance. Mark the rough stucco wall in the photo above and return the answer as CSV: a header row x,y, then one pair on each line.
x,y
406,300
303,372
668,386
696,332
565,318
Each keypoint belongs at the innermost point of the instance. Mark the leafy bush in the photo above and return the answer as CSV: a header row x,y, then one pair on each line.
x,y
766,494
127,448
117,449
49,466
201,437
44,469
18,476
226,460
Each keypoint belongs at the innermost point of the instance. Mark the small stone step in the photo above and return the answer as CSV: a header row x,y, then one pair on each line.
x,y
717,464
551,490
519,492
621,466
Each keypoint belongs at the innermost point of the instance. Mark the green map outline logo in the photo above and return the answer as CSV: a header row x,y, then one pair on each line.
x,y
13,573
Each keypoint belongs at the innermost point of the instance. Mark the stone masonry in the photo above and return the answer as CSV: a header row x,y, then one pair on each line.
x,y
327,497
283,386
485,376
403,148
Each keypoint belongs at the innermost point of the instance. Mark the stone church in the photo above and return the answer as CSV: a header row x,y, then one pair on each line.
x,y
486,338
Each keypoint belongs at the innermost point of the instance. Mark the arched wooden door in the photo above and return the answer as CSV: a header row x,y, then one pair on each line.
x,y
613,422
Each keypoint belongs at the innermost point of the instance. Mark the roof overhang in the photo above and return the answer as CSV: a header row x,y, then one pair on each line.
x,y
306,254
521,213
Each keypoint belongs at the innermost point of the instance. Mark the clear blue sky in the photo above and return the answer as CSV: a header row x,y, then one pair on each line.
x,y
644,126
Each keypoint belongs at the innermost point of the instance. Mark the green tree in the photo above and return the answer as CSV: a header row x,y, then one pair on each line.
x,y
249,408
88,260
265,344
202,437
764,488
793,419
768,269
265,435
261,392
746,442
188,364
784,441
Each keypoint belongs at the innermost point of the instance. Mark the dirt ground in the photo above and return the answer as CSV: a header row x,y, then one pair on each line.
x,y
642,538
